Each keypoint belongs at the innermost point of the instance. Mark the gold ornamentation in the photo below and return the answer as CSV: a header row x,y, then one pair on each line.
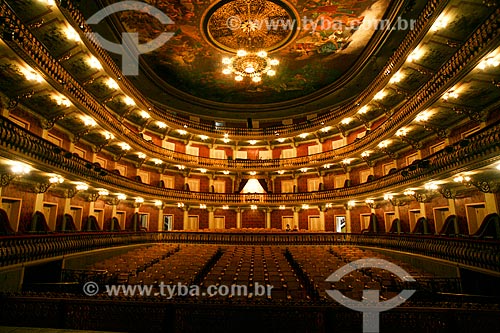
x,y
250,24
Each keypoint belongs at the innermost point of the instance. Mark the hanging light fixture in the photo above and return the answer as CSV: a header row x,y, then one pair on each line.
x,y
253,65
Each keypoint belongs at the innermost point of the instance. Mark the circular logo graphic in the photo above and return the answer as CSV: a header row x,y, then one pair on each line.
x,y
90,288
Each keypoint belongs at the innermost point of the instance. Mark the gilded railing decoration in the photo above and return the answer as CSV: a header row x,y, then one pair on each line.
x,y
34,52
477,253
483,149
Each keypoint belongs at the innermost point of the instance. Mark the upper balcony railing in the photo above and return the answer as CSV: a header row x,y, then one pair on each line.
x,y
462,61
482,150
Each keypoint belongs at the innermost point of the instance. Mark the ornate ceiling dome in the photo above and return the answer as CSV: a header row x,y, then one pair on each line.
x,y
322,47
250,24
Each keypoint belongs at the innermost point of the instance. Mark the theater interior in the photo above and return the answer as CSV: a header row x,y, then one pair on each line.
x,y
291,149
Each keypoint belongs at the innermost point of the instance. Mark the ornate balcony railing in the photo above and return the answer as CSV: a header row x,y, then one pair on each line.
x,y
421,27
470,252
483,149
462,61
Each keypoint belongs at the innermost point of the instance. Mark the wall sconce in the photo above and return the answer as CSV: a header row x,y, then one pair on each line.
x,y
365,156
56,180
371,203
482,186
350,205
393,200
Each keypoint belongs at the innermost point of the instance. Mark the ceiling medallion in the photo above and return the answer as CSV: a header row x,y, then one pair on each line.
x,y
250,64
252,25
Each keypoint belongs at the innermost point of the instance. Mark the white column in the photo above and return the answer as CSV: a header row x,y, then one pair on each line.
x,y
91,208
66,210
491,203
67,206
452,207
423,213
39,202
295,217
397,212
268,218
422,210
348,228
238,218
322,224
113,211
185,218
211,219
160,219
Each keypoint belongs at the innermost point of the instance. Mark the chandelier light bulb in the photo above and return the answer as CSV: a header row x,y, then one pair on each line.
x,y
250,69
249,65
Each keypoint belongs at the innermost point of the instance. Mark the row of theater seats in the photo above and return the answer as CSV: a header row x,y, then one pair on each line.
x,y
182,267
121,267
317,263
295,273
248,265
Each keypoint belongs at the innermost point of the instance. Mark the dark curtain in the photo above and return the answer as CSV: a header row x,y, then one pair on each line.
x,y
5,227
243,182
263,183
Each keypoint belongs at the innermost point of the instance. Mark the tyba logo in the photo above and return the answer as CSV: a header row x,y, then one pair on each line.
x,y
130,49
370,305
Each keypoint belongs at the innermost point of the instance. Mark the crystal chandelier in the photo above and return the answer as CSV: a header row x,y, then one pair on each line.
x,y
249,64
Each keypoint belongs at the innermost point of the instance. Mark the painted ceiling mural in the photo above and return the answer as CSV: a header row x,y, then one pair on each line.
x,y
316,41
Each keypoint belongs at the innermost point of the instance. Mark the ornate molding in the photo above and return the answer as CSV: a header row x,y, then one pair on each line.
x,y
39,188
473,114
48,123
417,145
92,197
119,156
112,201
6,179
425,196
397,202
391,154
14,102
77,136
485,186
442,133
447,192
67,193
